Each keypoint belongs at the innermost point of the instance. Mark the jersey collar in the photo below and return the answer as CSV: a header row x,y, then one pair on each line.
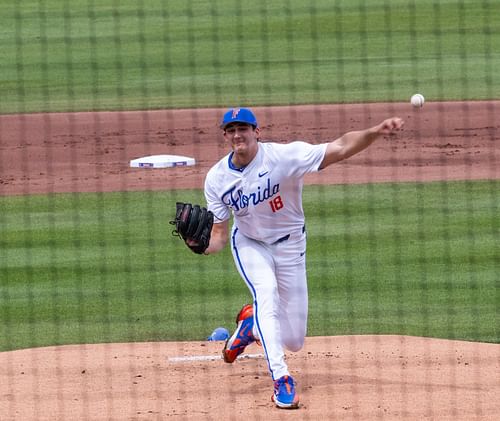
x,y
232,166
235,168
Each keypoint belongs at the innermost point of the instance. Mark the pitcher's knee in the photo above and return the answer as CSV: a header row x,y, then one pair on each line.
x,y
294,344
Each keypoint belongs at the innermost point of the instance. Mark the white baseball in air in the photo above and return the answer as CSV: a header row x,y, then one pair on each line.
x,y
417,100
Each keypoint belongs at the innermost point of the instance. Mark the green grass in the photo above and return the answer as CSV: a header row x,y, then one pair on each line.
x,y
416,259
82,55
419,259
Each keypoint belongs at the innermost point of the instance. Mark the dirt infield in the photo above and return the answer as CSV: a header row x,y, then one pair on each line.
x,y
87,152
345,377
357,377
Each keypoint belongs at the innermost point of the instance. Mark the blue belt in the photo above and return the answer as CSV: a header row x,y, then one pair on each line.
x,y
286,237
280,240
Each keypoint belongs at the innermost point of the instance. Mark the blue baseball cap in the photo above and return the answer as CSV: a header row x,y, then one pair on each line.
x,y
219,334
239,115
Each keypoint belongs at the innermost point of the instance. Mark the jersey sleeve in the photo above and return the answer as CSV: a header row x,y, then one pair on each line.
x,y
214,203
303,158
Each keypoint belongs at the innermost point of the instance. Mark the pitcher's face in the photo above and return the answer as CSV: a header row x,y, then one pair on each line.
x,y
243,139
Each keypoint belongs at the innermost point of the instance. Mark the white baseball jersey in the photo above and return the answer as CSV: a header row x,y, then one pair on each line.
x,y
265,197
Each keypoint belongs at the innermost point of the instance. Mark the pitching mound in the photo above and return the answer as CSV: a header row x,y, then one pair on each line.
x,y
356,377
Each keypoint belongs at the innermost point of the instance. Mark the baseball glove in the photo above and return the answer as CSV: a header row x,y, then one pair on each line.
x,y
194,225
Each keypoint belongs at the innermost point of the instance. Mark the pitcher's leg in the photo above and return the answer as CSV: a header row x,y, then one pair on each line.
x,y
292,288
256,266
294,312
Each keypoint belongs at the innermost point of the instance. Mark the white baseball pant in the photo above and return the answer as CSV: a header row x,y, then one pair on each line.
x,y
276,276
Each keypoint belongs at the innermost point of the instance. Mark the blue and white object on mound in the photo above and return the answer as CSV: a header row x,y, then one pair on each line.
x,y
219,334
162,161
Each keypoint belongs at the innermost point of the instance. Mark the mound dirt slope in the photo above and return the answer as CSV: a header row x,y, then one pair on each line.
x,y
345,377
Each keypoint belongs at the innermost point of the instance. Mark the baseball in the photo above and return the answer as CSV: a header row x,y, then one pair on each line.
x,y
417,100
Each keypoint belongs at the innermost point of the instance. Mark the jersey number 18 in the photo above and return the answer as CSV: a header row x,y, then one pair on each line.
x,y
276,203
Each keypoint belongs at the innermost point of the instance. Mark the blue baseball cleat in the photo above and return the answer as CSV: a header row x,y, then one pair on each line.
x,y
284,393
